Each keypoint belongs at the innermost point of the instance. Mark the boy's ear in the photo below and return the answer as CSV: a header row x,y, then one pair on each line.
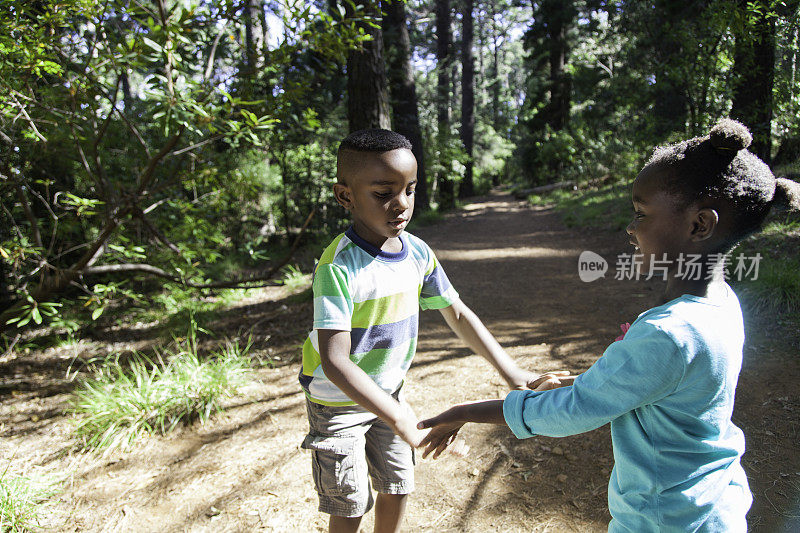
x,y
343,195
704,223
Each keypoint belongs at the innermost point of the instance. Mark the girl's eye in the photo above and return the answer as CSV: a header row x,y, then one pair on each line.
x,y
638,214
410,192
382,195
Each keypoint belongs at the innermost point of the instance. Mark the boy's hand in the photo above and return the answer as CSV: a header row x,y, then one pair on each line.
x,y
407,429
444,429
550,380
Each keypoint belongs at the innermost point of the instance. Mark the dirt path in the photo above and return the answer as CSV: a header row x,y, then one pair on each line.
x,y
516,267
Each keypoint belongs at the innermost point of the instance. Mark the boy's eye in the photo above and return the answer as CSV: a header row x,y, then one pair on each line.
x,y
382,194
409,192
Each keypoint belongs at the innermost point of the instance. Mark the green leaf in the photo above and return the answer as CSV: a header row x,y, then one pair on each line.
x,y
97,312
152,44
36,315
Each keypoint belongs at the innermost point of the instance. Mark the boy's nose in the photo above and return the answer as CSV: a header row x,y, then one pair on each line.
x,y
403,201
629,228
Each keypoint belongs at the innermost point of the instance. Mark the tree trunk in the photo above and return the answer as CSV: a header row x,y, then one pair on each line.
x,y
443,63
403,91
250,17
467,98
559,17
495,83
754,72
367,99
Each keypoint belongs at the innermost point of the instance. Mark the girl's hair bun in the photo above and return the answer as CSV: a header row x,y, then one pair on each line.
x,y
787,195
729,134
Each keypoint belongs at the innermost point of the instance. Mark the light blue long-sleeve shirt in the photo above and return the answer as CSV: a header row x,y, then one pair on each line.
x,y
667,388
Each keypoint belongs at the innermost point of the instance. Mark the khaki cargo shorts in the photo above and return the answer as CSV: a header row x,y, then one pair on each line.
x,y
349,447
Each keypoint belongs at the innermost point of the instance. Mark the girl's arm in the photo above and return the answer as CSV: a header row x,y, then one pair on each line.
x,y
446,425
639,370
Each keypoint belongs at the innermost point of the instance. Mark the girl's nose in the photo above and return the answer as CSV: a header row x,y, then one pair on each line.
x,y
629,229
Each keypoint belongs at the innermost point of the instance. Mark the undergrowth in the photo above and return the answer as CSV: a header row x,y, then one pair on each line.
x,y
21,500
607,208
124,400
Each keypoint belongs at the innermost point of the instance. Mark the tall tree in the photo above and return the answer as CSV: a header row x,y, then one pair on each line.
x,y
467,97
367,95
403,91
443,63
754,74
558,17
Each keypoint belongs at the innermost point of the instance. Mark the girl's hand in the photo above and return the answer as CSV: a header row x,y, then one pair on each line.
x,y
444,429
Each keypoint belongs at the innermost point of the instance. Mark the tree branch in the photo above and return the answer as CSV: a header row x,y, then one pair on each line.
x,y
213,53
128,267
26,207
168,66
100,134
146,176
29,119
235,283
138,213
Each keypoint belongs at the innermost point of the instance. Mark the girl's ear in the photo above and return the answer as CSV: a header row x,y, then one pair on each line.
x,y
343,195
704,223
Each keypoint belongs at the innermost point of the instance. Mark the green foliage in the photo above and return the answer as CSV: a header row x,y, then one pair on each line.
x,y
132,133
125,400
33,311
606,208
293,278
21,500
776,289
175,304
424,218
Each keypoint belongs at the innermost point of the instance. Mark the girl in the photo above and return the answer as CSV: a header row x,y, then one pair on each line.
x,y
668,386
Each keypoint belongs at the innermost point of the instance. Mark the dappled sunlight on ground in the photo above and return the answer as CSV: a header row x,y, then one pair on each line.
x,y
516,267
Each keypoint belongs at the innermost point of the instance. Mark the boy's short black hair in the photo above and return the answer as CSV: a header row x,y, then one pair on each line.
x,y
370,141
719,167
374,140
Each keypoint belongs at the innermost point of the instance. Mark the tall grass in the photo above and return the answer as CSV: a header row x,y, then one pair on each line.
x,y
124,400
21,499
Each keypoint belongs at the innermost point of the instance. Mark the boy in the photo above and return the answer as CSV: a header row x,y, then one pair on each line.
x,y
368,287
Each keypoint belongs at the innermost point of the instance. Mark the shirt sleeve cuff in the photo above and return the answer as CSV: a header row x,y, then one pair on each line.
x,y
513,408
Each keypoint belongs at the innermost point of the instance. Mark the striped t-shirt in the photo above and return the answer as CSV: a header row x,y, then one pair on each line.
x,y
376,296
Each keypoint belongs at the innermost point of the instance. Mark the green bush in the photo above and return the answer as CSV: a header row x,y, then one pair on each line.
x,y
123,401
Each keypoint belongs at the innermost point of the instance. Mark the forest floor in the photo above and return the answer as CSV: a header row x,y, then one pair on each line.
x,y
516,267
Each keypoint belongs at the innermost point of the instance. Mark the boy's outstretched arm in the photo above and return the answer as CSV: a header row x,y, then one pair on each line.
x,y
471,330
334,351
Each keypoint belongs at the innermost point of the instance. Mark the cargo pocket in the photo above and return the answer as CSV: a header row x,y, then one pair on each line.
x,y
333,463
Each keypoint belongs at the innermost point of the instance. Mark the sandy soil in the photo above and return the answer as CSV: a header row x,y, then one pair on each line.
x,y
516,267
